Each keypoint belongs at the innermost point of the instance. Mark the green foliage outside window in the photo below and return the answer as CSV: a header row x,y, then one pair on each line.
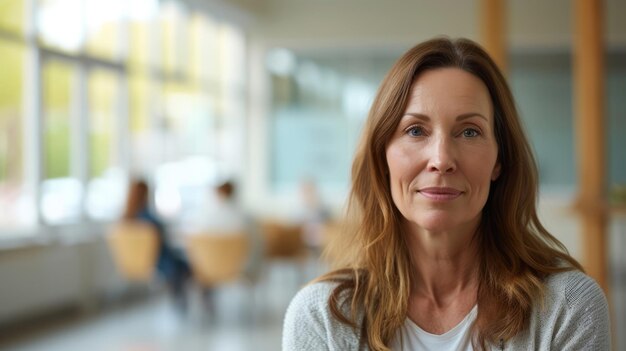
x,y
57,102
12,16
11,71
102,114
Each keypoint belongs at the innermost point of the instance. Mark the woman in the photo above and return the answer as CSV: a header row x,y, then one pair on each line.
x,y
446,251
170,263
222,215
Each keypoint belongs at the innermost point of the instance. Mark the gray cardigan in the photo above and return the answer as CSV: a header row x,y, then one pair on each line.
x,y
574,316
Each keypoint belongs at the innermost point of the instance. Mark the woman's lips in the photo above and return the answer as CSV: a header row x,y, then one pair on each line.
x,y
440,193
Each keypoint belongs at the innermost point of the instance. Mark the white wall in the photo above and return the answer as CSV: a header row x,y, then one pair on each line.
x,y
532,24
353,23
46,277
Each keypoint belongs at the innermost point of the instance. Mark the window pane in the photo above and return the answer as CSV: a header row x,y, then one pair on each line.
x,y
61,191
12,15
102,112
232,101
142,15
143,153
189,122
16,204
229,68
232,56
60,24
196,56
57,81
103,20
139,113
211,49
139,50
105,191
187,141
173,42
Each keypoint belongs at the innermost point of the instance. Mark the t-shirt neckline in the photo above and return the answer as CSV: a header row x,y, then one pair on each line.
x,y
469,318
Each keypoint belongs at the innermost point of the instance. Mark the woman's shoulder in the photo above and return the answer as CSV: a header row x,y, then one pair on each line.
x,y
312,304
314,295
309,323
574,288
573,315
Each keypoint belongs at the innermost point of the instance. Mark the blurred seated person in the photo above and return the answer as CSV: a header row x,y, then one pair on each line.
x,y
171,264
313,218
222,215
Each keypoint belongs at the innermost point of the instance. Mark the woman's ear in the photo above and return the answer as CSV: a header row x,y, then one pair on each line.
x,y
496,171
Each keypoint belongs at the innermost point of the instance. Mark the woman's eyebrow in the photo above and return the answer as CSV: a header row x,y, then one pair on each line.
x,y
458,118
417,115
470,115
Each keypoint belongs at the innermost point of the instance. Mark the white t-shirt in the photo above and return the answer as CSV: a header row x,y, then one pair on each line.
x,y
221,217
413,338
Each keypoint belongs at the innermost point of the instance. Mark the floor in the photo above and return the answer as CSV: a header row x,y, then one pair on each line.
x,y
156,326
244,318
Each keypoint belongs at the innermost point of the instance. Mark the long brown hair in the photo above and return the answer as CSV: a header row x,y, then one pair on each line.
x,y
137,198
516,252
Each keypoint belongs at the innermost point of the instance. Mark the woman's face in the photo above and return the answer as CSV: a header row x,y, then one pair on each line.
x,y
443,154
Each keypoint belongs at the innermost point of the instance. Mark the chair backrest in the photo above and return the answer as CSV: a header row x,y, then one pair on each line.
x,y
282,240
331,229
135,247
217,258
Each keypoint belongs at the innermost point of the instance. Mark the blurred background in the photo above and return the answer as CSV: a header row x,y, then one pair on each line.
x,y
269,95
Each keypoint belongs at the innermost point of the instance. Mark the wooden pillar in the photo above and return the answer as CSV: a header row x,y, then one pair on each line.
x,y
493,30
589,137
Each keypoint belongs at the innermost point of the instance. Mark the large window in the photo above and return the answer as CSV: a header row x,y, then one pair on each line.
x,y
116,88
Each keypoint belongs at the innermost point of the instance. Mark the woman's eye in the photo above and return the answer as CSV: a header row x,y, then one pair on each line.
x,y
415,131
470,133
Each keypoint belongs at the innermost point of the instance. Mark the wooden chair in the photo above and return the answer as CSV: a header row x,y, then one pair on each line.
x,y
284,248
282,241
217,258
135,247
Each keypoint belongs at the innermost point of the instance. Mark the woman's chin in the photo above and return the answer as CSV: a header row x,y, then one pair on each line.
x,y
433,224
442,223
437,227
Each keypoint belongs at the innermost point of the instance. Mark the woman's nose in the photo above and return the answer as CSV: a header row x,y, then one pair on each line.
x,y
442,159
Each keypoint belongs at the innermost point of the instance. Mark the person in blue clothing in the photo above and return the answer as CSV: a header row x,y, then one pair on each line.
x,y
171,264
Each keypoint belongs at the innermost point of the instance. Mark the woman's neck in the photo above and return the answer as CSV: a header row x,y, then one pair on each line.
x,y
445,263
